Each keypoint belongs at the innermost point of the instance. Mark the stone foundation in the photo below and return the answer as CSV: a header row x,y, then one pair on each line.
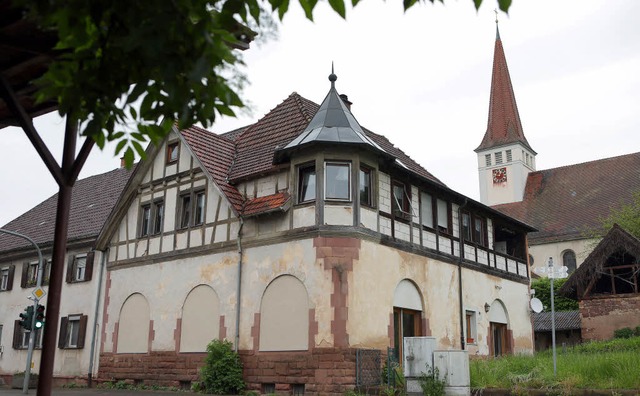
x,y
320,371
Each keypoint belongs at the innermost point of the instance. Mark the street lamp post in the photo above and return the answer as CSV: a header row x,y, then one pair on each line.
x,y
552,273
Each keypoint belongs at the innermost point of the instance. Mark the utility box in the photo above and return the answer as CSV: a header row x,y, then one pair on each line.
x,y
453,367
417,356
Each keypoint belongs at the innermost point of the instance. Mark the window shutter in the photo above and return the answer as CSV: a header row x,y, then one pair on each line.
x,y
16,334
12,270
62,340
25,270
88,269
82,330
69,278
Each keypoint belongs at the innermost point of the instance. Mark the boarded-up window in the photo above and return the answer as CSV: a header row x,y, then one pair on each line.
x,y
200,319
284,316
133,327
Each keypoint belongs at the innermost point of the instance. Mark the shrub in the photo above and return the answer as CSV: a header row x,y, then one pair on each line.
x,y
625,332
222,370
431,383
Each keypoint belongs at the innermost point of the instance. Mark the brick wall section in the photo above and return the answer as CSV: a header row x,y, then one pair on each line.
x,y
601,316
323,371
338,255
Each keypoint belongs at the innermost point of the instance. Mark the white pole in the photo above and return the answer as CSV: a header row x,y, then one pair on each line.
x,y
553,317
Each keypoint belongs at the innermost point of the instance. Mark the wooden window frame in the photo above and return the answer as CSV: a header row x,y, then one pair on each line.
x,y
19,334
66,324
172,147
365,173
403,212
72,267
303,185
10,271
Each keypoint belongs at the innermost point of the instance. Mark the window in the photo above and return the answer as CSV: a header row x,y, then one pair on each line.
x,y
306,183
466,226
426,210
400,200
569,260
365,181
498,157
527,158
72,331
151,216
30,273
185,210
172,152
337,181
192,209
470,327
80,267
21,337
6,277
443,215
478,230
487,159
199,209
509,156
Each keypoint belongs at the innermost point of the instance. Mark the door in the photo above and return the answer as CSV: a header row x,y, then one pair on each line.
x,y
499,338
406,323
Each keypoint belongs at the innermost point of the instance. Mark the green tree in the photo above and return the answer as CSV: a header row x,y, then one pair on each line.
x,y
128,70
626,216
542,286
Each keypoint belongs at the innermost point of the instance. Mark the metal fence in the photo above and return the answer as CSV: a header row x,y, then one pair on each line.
x,y
368,367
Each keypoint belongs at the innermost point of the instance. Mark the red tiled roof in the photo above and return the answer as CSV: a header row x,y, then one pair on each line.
x,y
92,200
255,147
248,152
503,126
564,202
216,154
266,204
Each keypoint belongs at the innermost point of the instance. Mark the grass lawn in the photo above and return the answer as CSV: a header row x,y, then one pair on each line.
x,y
611,364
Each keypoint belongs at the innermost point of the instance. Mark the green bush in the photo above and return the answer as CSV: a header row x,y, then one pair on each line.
x,y
222,370
431,383
625,332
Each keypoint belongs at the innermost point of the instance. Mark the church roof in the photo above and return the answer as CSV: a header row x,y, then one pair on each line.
x,y
92,200
563,203
504,126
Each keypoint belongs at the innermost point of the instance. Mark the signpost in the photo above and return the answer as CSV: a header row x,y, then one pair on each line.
x,y
552,273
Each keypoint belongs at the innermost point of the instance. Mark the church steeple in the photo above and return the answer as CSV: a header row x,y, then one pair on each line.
x,y
504,126
505,157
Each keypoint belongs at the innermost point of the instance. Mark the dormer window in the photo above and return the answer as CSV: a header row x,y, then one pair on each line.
x,y
337,181
306,183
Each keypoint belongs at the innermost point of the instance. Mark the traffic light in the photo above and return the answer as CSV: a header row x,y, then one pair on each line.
x,y
39,316
26,318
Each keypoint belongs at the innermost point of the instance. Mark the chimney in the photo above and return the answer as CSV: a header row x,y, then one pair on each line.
x,y
345,99
122,162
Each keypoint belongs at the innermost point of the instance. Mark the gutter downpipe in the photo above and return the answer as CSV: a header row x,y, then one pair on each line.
x,y
103,262
460,258
239,288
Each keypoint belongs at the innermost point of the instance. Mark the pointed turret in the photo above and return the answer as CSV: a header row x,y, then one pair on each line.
x,y
333,123
504,126
505,157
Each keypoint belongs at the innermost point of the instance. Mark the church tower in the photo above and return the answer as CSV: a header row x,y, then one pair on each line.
x,y
504,155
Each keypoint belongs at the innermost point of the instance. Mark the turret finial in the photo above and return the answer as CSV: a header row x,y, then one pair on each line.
x,y
497,30
332,76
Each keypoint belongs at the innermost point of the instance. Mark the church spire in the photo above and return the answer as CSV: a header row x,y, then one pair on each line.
x,y
503,126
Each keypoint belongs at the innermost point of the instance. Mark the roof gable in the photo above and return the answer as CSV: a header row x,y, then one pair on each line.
x,y
566,202
616,240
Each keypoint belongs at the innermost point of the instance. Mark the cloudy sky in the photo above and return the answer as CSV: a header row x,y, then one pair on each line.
x,y
422,79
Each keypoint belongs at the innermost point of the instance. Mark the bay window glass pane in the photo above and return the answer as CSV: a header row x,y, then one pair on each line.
x,y
199,215
466,226
185,211
365,186
337,181
443,214
307,184
146,217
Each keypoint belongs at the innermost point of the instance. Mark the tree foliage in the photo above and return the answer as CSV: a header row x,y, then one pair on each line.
x,y
542,286
128,70
222,370
626,216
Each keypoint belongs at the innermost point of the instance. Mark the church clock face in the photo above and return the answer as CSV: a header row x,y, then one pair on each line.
x,y
499,175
